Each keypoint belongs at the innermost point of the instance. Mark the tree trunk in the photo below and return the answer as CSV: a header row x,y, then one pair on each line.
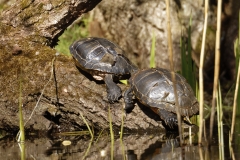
x,y
132,24
51,84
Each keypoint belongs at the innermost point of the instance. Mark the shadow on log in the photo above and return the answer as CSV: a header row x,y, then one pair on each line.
x,y
28,30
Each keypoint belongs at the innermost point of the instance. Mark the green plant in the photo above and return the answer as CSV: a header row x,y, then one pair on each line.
x,y
188,65
21,138
75,133
121,134
21,123
91,133
74,32
111,131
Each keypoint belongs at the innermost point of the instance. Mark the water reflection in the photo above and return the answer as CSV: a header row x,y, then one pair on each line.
x,y
132,147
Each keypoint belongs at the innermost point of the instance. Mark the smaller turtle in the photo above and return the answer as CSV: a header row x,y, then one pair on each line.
x,y
104,60
154,88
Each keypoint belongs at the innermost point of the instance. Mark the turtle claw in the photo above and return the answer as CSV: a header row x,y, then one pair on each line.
x,y
187,119
169,118
114,94
129,104
113,90
171,122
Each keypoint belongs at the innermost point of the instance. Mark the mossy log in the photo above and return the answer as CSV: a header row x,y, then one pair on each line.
x,y
52,86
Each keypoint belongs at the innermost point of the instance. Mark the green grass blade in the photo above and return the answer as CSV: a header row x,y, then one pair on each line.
x,y
189,54
74,32
188,66
183,57
124,81
75,133
121,135
21,123
21,138
111,131
91,133
237,66
89,129
191,66
237,54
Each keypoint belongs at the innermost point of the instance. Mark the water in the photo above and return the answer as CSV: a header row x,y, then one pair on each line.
x,y
133,147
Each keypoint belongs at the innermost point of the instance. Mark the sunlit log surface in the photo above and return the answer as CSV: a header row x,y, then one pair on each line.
x,y
28,29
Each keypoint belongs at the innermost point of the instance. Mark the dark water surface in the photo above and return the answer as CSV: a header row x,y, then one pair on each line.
x,y
132,147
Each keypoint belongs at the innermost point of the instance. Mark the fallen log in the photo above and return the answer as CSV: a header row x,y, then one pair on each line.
x,y
54,92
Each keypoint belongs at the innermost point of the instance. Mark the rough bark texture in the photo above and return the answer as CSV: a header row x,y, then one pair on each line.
x,y
68,94
42,21
27,30
133,23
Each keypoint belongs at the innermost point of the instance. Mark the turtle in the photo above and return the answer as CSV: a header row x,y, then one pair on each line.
x,y
154,88
104,60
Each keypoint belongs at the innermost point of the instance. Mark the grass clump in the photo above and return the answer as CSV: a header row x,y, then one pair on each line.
x,y
76,31
188,65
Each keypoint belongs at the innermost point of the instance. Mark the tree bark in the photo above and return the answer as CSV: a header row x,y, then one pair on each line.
x,y
52,86
43,20
132,24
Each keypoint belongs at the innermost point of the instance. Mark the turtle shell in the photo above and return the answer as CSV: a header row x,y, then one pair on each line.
x,y
99,56
154,88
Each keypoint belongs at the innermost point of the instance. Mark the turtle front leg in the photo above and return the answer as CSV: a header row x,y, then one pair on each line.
x,y
169,118
113,90
129,105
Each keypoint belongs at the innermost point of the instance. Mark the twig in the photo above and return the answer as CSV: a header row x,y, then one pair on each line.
x,y
170,52
220,123
42,91
216,66
89,129
236,96
52,64
201,86
235,104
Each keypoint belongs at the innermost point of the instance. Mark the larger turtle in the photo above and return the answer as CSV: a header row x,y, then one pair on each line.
x,y
104,60
154,88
